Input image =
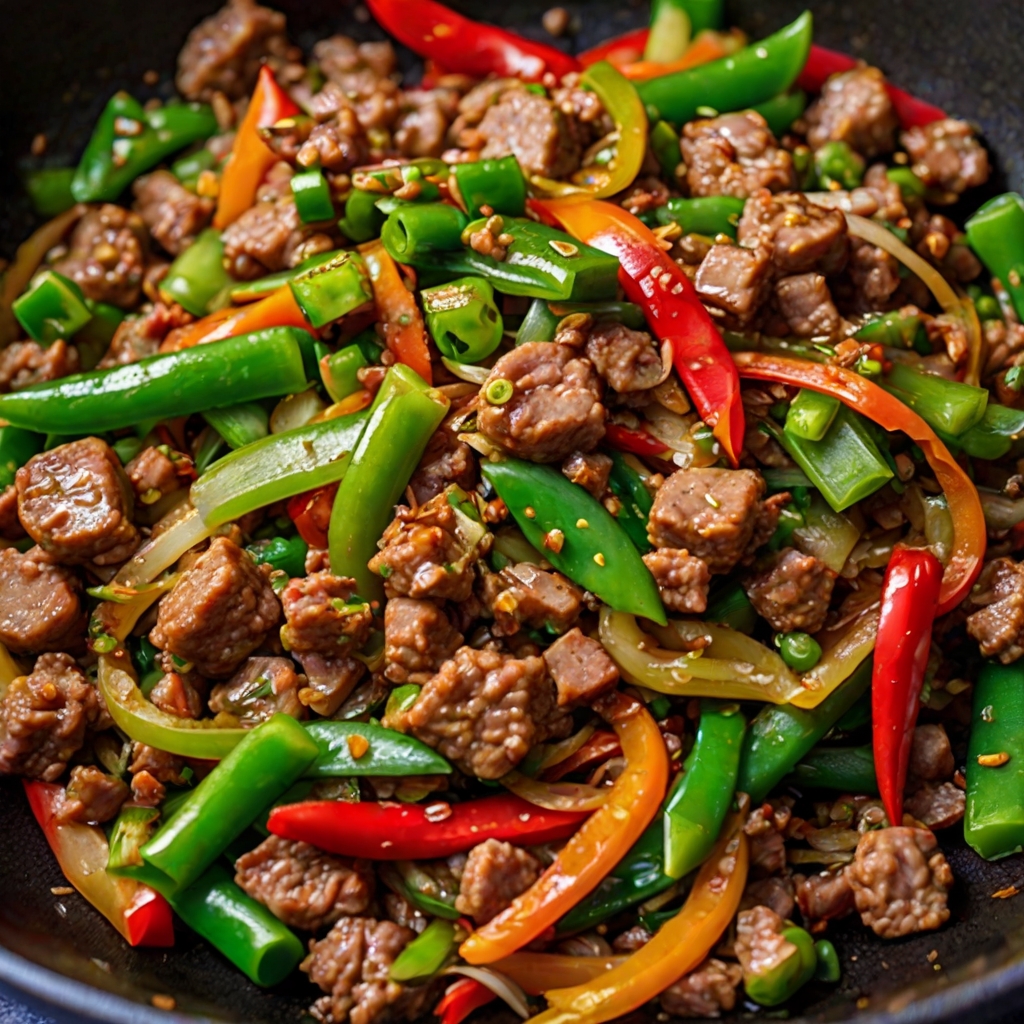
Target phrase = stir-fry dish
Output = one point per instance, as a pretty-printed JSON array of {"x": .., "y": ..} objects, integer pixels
[{"x": 546, "y": 533}]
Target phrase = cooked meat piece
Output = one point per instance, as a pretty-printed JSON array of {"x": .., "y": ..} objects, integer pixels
[
  {"x": 706, "y": 991},
  {"x": 158, "y": 764},
  {"x": 423, "y": 123},
  {"x": 358, "y": 74},
  {"x": 682, "y": 579},
  {"x": 10, "y": 524},
  {"x": 555, "y": 408},
  {"x": 494, "y": 875},
  {"x": 107, "y": 255},
  {"x": 147, "y": 790},
  {"x": 418, "y": 639},
  {"x": 156, "y": 472},
  {"x": 900, "y": 881},
  {"x": 931, "y": 755},
  {"x": 874, "y": 275},
  {"x": 792, "y": 592},
  {"x": 92, "y": 796},
  {"x": 591, "y": 471},
  {"x": 173, "y": 215},
  {"x": 936, "y": 805},
  {"x": 760, "y": 947},
  {"x": 735, "y": 155},
  {"x": 27, "y": 362},
  {"x": 484, "y": 710},
  {"x": 75, "y": 502},
  {"x": 338, "y": 144},
  {"x": 219, "y": 612},
  {"x": 322, "y": 617},
  {"x": 823, "y": 897},
  {"x": 40, "y": 604},
  {"x": 447, "y": 460},
  {"x": 260, "y": 688},
  {"x": 581, "y": 668},
  {"x": 429, "y": 552},
  {"x": 773, "y": 892},
  {"x": 224, "y": 52},
  {"x": 806, "y": 304},
  {"x": 179, "y": 694},
  {"x": 138, "y": 337},
  {"x": 800, "y": 235},
  {"x": 854, "y": 107},
  {"x": 330, "y": 681},
  {"x": 303, "y": 886},
  {"x": 632, "y": 939},
  {"x": 735, "y": 279},
  {"x": 999, "y": 625},
  {"x": 711, "y": 513},
  {"x": 403, "y": 913},
  {"x": 45, "y": 717},
  {"x": 767, "y": 854},
  {"x": 524, "y": 595},
  {"x": 628, "y": 360},
  {"x": 946, "y": 155}
]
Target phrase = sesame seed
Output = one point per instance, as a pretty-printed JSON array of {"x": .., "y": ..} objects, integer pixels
[
  {"x": 530, "y": 512},
  {"x": 582, "y": 524}
]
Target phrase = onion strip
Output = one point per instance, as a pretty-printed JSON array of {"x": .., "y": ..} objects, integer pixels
[
  {"x": 163, "y": 550},
  {"x": 467, "y": 371},
  {"x": 555, "y": 796},
  {"x": 504, "y": 988}
]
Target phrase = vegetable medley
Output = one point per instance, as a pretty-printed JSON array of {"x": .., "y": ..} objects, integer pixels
[{"x": 545, "y": 533}]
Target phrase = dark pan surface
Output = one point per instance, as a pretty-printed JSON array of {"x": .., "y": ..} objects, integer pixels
[{"x": 59, "y": 62}]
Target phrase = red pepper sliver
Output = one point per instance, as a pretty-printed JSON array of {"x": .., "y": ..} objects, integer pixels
[
  {"x": 624, "y": 49},
  {"x": 387, "y": 831},
  {"x": 149, "y": 920},
  {"x": 311, "y": 513},
  {"x": 600, "y": 747},
  {"x": 638, "y": 442},
  {"x": 461, "y": 1000}
]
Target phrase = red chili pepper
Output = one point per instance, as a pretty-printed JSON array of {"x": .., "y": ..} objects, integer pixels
[
  {"x": 910, "y": 594},
  {"x": 624, "y": 49},
  {"x": 639, "y": 442},
  {"x": 311, "y": 513},
  {"x": 461, "y": 999},
  {"x": 149, "y": 919},
  {"x": 389, "y": 831},
  {"x": 674, "y": 312},
  {"x": 461, "y": 45}
]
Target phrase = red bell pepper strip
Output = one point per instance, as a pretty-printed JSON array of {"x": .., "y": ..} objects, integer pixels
[
  {"x": 969, "y": 537},
  {"x": 142, "y": 916},
  {"x": 461, "y": 999},
  {"x": 468, "y": 47},
  {"x": 388, "y": 831},
  {"x": 638, "y": 442},
  {"x": 624, "y": 49},
  {"x": 910, "y": 593},
  {"x": 251, "y": 157},
  {"x": 311, "y": 514},
  {"x": 674, "y": 312}
]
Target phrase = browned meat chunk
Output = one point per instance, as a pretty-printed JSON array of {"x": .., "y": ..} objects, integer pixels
[
  {"x": 10, "y": 524},
  {"x": 626, "y": 359},
  {"x": 76, "y": 503},
  {"x": 936, "y": 805},
  {"x": 806, "y": 305},
  {"x": 793, "y": 592},
  {"x": 92, "y": 796},
  {"x": 591, "y": 471},
  {"x": 735, "y": 279},
  {"x": 999, "y": 625},
  {"x": 330, "y": 681},
  {"x": 555, "y": 408},
  {"x": 156, "y": 472},
  {"x": 336, "y": 144},
  {"x": 26, "y": 362},
  {"x": 138, "y": 337},
  {"x": 581, "y": 668},
  {"x": 173, "y": 215},
  {"x": 735, "y": 155},
  {"x": 874, "y": 274},
  {"x": 179, "y": 694},
  {"x": 322, "y": 617},
  {"x": 682, "y": 579},
  {"x": 40, "y": 605},
  {"x": 484, "y": 710},
  {"x": 711, "y": 513},
  {"x": 447, "y": 460},
  {"x": 418, "y": 639},
  {"x": 423, "y": 123},
  {"x": 854, "y": 107},
  {"x": 760, "y": 946},
  {"x": 158, "y": 763},
  {"x": 303, "y": 886},
  {"x": 523, "y": 595},
  {"x": 219, "y": 612},
  {"x": 823, "y": 897},
  {"x": 260, "y": 688},
  {"x": 107, "y": 255},
  {"x": 224, "y": 52},
  {"x": 45, "y": 717},
  {"x": 494, "y": 875},
  {"x": 900, "y": 881},
  {"x": 775, "y": 892},
  {"x": 706, "y": 991},
  {"x": 946, "y": 155},
  {"x": 800, "y": 235},
  {"x": 931, "y": 755},
  {"x": 358, "y": 74}
]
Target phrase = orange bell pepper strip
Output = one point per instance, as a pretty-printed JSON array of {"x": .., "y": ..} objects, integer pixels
[
  {"x": 598, "y": 845},
  {"x": 674, "y": 312},
  {"x": 678, "y": 947},
  {"x": 404, "y": 332},
  {"x": 251, "y": 157},
  {"x": 969, "y": 536},
  {"x": 704, "y": 49}
]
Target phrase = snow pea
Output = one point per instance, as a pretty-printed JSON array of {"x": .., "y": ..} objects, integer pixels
[
  {"x": 388, "y": 753},
  {"x": 628, "y": 486}
]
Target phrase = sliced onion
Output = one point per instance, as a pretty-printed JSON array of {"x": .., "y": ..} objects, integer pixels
[
  {"x": 832, "y": 838},
  {"x": 845, "y": 647},
  {"x": 296, "y": 411},
  {"x": 1001, "y": 512},
  {"x": 674, "y": 430},
  {"x": 556, "y": 753},
  {"x": 818, "y": 857},
  {"x": 118, "y": 618},
  {"x": 467, "y": 371},
  {"x": 163, "y": 549},
  {"x": 828, "y": 535},
  {"x": 504, "y": 988},
  {"x": 555, "y": 796}
]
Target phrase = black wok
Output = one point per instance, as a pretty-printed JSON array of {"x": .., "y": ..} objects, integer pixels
[{"x": 59, "y": 62}]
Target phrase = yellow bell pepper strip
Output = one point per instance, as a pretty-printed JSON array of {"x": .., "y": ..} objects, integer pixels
[
  {"x": 601, "y": 842},
  {"x": 674, "y": 312},
  {"x": 251, "y": 157},
  {"x": 536, "y": 973},
  {"x": 891, "y": 414},
  {"x": 678, "y": 947}
]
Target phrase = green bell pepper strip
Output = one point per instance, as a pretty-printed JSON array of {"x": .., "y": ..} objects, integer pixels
[
  {"x": 254, "y": 774},
  {"x": 252, "y": 366},
  {"x": 707, "y": 215},
  {"x": 400, "y": 876},
  {"x": 197, "y": 280},
  {"x": 839, "y": 166},
  {"x": 996, "y": 234},
  {"x": 701, "y": 797},
  {"x": 539, "y": 324},
  {"x": 784, "y": 980},
  {"x": 828, "y": 969},
  {"x": 339, "y": 371},
  {"x": 755, "y": 74},
  {"x": 49, "y": 190},
  {"x": 781, "y": 735},
  {"x": 404, "y": 416},
  {"x": 402, "y": 698},
  {"x": 628, "y": 486},
  {"x": 463, "y": 318},
  {"x": 17, "y": 446},
  {"x": 418, "y": 230},
  {"x": 947, "y": 406},
  {"x": 239, "y": 425},
  {"x": 596, "y": 552},
  {"x": 312, "y": 196},
  {"x": 844, "y": 769},
  {"x": 811, "y": 414},
  {"x": 897, "y": 331},
  {"x": 994, "y": 815},
  {"x": 53, "y": 307},
  {"x": 426, "y": 954},
  {"x": 362, "y": 221},
  {"x": 331, "y": 290},
  {"x": 498, "y": 184},
  {"x": 285, "y": 553},
  {"x": 93, "y": 340},
  {"x": 389, "y": 753},
  {"x": 858, "y": 715},
  {"x": 994, "y": 435},
  {"x": 731, "y": 607},
  {"x": 800, "y": 651},
  {"x": 188, "y": 167},
  {"x": 132, "y": 829},
  {"x": 664, "y": 144},
  {"x": 781, "y": 111},
  {"x": 244, "y": 931},
  {"x": 129, "y": 140},
  {"x": 250, "y": 291}
]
